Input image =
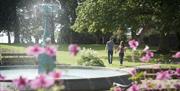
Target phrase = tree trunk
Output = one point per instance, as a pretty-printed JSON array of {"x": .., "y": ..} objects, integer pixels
[
  {"x": 52, "y": 33},
  {"x": 178, "y": 38},
  {"x": 163, "y": 45},
  {"x": 73, "y": 13},
  {"x": 16, "y": 27},
  {"x": 52, "y": 28},
  {"x": 64, "y": 35},
  {"x": 9, "y": 37},
  {"x": 36, "y": 40},
  {"x": 133, "y": 34},
  {"x": 52, "y": 38},
  {"x": 16, "y": 36},
  {"x": 69, "y": 12},
  {"x": 103, "y": 39}
]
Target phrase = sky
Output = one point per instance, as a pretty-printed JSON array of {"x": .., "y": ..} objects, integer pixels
[{"x": 4, "y": 38}]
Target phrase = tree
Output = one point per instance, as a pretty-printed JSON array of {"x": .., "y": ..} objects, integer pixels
[
  {"x": 8, "y": 19},
  {"x": 110, "y": 15},
  {"x": 67, "y": 19},
  {"x": 97, "y": 15}
]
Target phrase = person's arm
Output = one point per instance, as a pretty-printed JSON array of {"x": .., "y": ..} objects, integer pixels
[
  {"x": 116, "y": 49},
  {"x": 125, "y": 49},
  {"x": 105, "y": 47}
]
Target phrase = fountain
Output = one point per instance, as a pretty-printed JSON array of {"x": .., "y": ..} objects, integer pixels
[
  {"x": 46, "y": 63},
  {"x": 75, "y": 78}
]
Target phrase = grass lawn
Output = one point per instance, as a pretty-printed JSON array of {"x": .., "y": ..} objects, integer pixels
[{"x": 64, "y": 57}]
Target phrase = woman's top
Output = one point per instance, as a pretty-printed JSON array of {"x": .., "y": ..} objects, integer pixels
[{"x": 121, "y": 49}]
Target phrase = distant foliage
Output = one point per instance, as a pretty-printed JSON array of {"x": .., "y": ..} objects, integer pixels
[{"x": 90, "y": 58}]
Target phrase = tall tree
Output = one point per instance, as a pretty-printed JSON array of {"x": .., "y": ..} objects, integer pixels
[
  {"x": 67, "y": 19},
  {"x": 9, "y": 20},
  {"x": 109, "y": 15}
]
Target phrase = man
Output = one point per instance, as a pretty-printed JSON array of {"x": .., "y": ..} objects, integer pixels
[{"x": 109, "y": 47}]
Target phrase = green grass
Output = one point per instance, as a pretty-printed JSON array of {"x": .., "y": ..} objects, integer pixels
[{"x": 64, "y": 57}]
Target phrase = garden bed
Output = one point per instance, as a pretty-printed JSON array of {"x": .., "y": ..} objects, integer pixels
[
  {"x": 148, "y": 81},
  {"x": 160, "y": 85}
]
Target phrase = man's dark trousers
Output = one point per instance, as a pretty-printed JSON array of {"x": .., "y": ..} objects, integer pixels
[{"x": 110, "y": 56}]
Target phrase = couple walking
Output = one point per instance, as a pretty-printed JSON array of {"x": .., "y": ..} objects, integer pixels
[{"x": 110, "y": 47}]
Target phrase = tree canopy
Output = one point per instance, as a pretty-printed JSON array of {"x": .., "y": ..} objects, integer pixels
[
  {"x": 109, "y": 15},
  {"x": 120, "y": 15}
]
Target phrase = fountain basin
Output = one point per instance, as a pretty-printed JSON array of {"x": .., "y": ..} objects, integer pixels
[{"x": 75, "y": 78}]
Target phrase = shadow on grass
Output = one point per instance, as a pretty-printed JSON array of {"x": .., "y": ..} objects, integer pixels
[
  {"x": 17, "y": 44},
  {"x": 96, "y": 47}
]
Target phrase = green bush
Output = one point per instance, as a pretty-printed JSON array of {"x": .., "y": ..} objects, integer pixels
[
  {"x": 160, "y": 58},
  {"x": 88, "y": 57}
]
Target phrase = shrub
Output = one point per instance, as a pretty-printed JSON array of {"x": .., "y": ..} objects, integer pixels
[{"x": 89, "y": 58}]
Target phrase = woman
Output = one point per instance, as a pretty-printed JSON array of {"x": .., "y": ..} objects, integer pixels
[{"x": 121, "y": 50}]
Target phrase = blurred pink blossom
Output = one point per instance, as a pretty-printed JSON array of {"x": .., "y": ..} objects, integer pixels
[
  {"x": 145, "y": 59},
  {"x": 73, "y": 49},
  {"x": 41, "y": 82},
  {"x": 50, "y": 50},
  {"x": 21, "y": 83},
  {"x": 133, "y": 72},
  {"x": 34, "y": 50},
  {"x": 163, "y": 75},
  {"x": 117, "y": 89},
  {"x": 177, "y": 55},
  {"x": 159, "y": 86},
  {"x": 177, "y": 85},
  {"x": 147, "y": 56},
  {"x": 146, "y": 48},
  {"x": 134, "y": 87},
  {"x": 3, "y": 89},
  {"x": 149, "y": 85},
  {"x": 150, "y": 54},
  {"x": 133, "y": 44},
  {"x": 177, "y": 72},
  {"x": 171, "y": 72},
  {"x": 55, "y": 75},
  {"x": 2, "y": 77}
]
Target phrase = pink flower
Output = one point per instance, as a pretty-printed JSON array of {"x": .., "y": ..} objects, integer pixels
[
  {"x": 171, "y": 72},
  {"x": 150, "y": 54},
  {"x": 178, "y": 70},
  {"x": 55, "y": 74},
  {"x": 146, "y": 48},
  {"x": 3, "y": 89},
  {"x": 41, "y": 82},
  {"x": 134, "y": 87},
  {"x": 21, "y": 83},
  {"x": 117, "y": 89},
  {"x": 163, "y": 75},
  {"x": 34, "y": 50},
  {"x": 145, "y": 59},
  {"x": 177, "y": 85},
  {"x": 149, "y": 85},
  {"x": 177, "y": 55},
  {"x": 133, "y": 72},
  {"x": 51, "y": 51},
  {"x": 159, "y": 86},
  {"x": 2, "y": 77},
  {"x": 133, "y": 44},
  {"x": 147, "y": 56},
  {"x": 73, "y": 49}
]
